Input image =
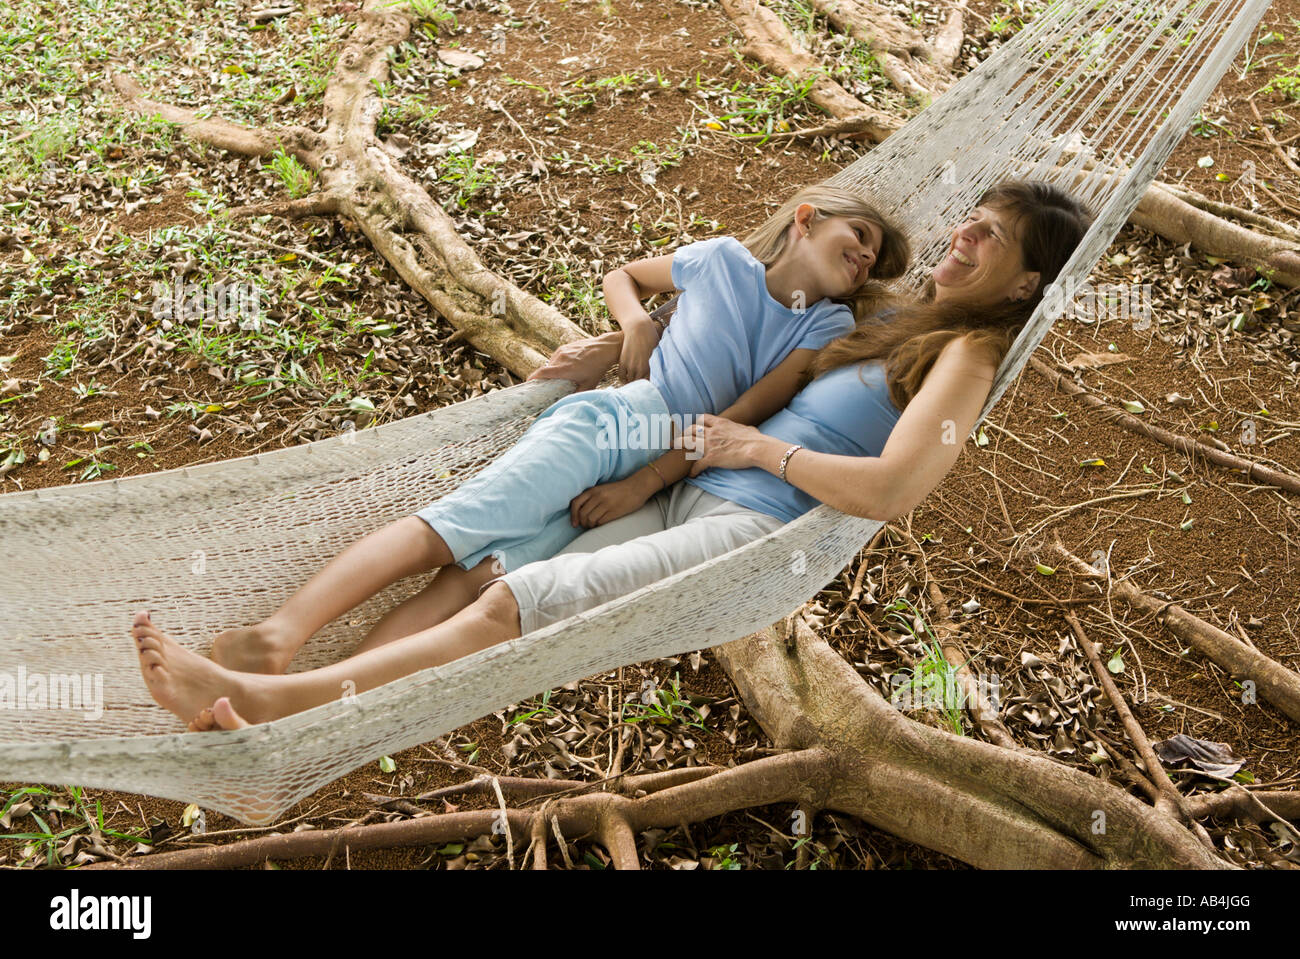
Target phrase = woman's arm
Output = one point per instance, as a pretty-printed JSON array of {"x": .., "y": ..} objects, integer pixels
[
  {"x": 765, "y": 398},
  {"x": 922, "y": 447},
  {"x": 584, "y": 361}
]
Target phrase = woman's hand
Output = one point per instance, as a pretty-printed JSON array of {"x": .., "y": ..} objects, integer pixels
[
  {"x": 607, "y": 502},
  {"x": 638, "y": 343},
  {"x": 718, "y": 442},
  {"x": 584, "y": 361}
]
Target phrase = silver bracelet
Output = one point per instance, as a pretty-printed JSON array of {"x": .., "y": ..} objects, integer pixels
[{"x": 786, "y": 459}]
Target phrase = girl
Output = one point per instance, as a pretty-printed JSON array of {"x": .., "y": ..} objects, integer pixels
[
  {"x": 868, "y": 436},
  {"x": 749, "y": 321}
]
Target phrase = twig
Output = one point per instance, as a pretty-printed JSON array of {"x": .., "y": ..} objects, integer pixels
[
  {"x": 1276, "y": 683},
  {"x": 1183, "y": 444},
  {"x": 1155, "y": 770}
]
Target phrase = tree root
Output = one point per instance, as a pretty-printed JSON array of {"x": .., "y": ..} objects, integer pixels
[
  {"x": 612, "y": 819},
  {"x": 1279, "y": 685},
  {"x": 768, "y": 41},
  {"x": 1255, "y": 471},
  {"x": 911, "y": 64},
  {"x": 1164, "y": 212},
  {"x": 360, "y": 180},
  {"x": 985, "y": 805}
]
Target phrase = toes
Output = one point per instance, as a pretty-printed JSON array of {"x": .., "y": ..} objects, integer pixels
[
  {"x": 149, "y": 643},
  {"x": 151, "y": 659},
  {"x": 203, "y": 722},
  {"x": 140, "y": 632},
  {"x": 223, "y": 713},
  {"x": 141, "y": 619}
]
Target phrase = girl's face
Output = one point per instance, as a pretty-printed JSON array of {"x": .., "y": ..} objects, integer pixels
[
  {"x": 984, "y": 264},
  {"x": 842, "y": 250}
]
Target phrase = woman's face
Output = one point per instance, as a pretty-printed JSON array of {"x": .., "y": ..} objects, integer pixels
[{"x": 984, "y": 265}]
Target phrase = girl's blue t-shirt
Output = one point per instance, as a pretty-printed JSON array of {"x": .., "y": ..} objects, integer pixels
[
  {"x": 846, "y": 411},
  {"x": 728, "y": 331}
]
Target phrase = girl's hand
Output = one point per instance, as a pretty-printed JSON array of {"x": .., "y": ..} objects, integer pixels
[
  {"x": 638, "y": 343},
  {"x": 605, "y": 503},
  {"x": 718, "y": 442},
  {"x": 584, "y": 361}
]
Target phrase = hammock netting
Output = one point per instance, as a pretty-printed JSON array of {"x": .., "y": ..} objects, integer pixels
[{"x": 1090, "y": 96}]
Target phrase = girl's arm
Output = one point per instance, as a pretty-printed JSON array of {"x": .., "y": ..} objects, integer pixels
[
  {"x": 625, "y": 288},
  {"x": 922, "y": 447}
]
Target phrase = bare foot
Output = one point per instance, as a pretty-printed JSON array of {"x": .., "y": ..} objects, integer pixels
[
  {"x": 255, "y": 649},
  {"x": 220, "y": 715},
  {"x": 185, "y": 683}
]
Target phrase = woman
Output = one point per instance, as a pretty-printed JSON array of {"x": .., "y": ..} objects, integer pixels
[{"x": 839, "y": 442}]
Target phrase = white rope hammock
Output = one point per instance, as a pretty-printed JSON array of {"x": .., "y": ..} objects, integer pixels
[{"x": 224, "y": 544}]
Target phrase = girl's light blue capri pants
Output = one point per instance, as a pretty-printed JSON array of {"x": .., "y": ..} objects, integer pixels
[
  {"x": 517, "y": 508},
  {"x": 676, "y": 529}
]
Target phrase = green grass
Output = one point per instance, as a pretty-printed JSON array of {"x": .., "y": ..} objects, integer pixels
[
  {"x": 662, "y": 706},
  {"x": 933, "y": 682},
  {"x": 433, "y": 13},
  {"x": 578, "y": 293},
  {"x": 763, "y": 109},
  {"x": 52, "y": 139},
  {"x": 469, "y": 178},
  {"x": 296, "y": 179},
  {"x": 44, "y": 841},
  {"x": 1286, "y": 82}
]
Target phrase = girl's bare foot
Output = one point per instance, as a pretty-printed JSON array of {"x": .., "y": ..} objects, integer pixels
[
  {"x": 185, "y": 683},
  {"x": 264, "y": 648},
  {"x": 220, "y": 715}
]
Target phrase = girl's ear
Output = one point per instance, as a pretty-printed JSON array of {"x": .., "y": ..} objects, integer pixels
[{"x": 803, "y": 218}]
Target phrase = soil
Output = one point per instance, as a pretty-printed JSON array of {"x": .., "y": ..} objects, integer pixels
[{"x": 1224, "y": 548}]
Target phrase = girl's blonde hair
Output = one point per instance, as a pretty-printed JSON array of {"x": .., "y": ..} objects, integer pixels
[
  {"x": 769, "y": 240},
  {"x": 1050, "y": 223}
]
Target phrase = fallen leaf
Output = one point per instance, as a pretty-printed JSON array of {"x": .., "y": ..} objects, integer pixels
[
  {"x": 1209, "y": 757},
  {"x": 1087, "y": 361}
]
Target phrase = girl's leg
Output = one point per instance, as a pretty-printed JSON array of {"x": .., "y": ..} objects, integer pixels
[
  {"x": 454, "y": 588},
  {"x": 451, "y": 590},
  {"x": 375, "y": 561},
  {"x": 187, "y": 684}
]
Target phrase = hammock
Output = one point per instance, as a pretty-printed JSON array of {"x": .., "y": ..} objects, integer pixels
[{"x": 1090, "y": 96}]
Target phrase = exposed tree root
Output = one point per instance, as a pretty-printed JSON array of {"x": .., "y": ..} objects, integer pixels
[
  {"x": 1164, "y": 212},
  {"x": 1279, "y": 685},
  {"x": 985, "y": 805},
  {"x": 1266, "y": 224},
  {"x": 362, "y": 181},
  {"x": 768, "y": 40},
  {"x": 610, "y": 818},
  {"x": 911, "y": 64},
  {"x": 947, "y": 45},
  {"x": 1256, "y": 471}
]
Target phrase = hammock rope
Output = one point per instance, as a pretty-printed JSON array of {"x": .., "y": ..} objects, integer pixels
[{"x": 1091, "y": 96}]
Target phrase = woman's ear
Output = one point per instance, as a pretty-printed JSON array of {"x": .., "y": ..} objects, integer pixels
[{"x": 1028, "y": 284}]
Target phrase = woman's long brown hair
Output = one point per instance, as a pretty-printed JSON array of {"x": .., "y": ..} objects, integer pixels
[{"x": 1051, "y": 225}]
